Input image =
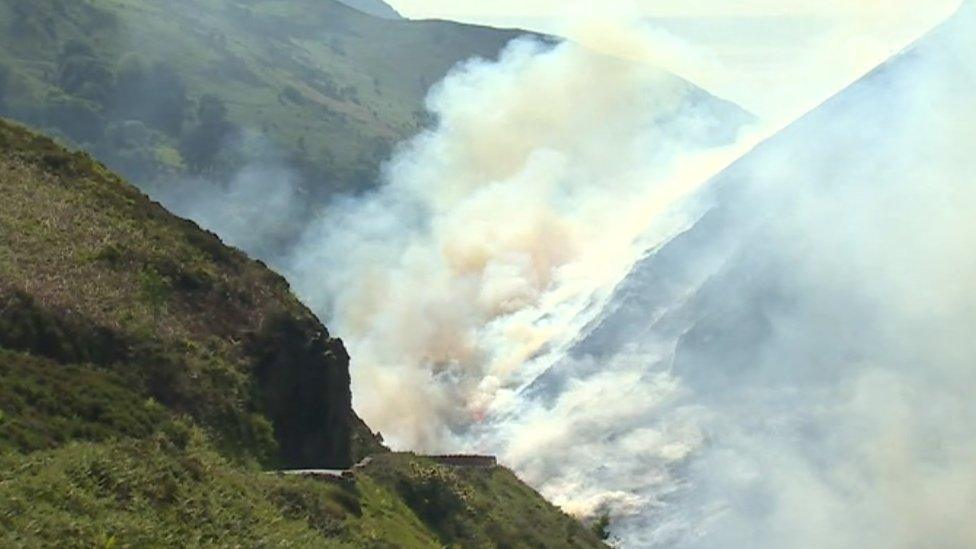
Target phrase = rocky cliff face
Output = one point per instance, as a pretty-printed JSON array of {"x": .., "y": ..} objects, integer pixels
[{"x": 303, "y": 380}]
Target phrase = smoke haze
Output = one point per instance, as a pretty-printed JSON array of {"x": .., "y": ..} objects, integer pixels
[
  {"x": 794, "y": 369},
  {"x": 260, "y": 208},
  {"x": 779, "y": 355},
  {"x": 497, "y": 228}
]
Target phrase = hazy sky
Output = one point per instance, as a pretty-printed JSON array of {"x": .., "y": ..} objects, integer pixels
[
  {"x": 777, "y": 58},
  {"x": 661, "y": 8}
]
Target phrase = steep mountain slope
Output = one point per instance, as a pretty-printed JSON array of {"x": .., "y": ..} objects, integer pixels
[
  {"x": 92, "y": 272},
  {"x": 148, "y": 373},
  {"x": 376, "y": 8},
  {"x": 161, "y": 90},
  {"x": 794, "y": 369}
]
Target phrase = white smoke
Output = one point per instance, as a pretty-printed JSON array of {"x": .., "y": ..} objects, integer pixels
[
  {"x": 495, "y": 230},
  {"x": 259, "y": 209},
  {"x": 796, "y": 370}
]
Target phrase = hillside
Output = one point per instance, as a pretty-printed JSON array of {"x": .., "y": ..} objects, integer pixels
[
  {"x": 162, "y": 90},
  {"x": 148, "y": 374},
  {"x": 92, "y": 272},
  {"x": 377, "y": 8}
]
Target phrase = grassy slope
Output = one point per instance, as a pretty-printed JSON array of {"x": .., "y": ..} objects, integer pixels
[
  {"x": 92, "y": 272},
  {"x": 131, "y": 409},
  {"x": 474, "y": 507},
  {"x": 157, "y": 492},
  {"x": 325, "y": 83}
]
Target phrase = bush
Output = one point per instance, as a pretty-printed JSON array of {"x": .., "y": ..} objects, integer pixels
[
  {"x": 438, "y": 497},
  {"x": 292, "y": 94},
  {"x": 76, "y": 48},
  {"x": 131, "y": 148},
  {"x": 155, "y": 290},
  {"x": 48, "y": 404},
  {"x": 28, "y": 327}
]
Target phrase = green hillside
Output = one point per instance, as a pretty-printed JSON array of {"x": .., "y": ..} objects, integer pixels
[
  {"x": 159, "y": 89},
  {"x": 378, "y": 8},
  {"x": 149, "y": 375},
  {"x": 171, "y": 322}
]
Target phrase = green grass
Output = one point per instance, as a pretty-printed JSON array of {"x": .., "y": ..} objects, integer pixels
[
  {"x": 172, "y": 490},
  {"x": 474, "y": 507},
  {"x": 387, "y": 521},
  {"x": 46, "y": 404},
  {"x": 153, "y": 494}
]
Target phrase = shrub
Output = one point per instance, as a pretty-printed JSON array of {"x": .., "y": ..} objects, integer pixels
[
  {"x": 292, "y": 94},
  {"x": 438, "y": 497}
]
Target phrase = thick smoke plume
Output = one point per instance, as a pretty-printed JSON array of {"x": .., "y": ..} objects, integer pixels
[
  {"x": 499, "y": 227},
  {"x": 795, "y": 370}
]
